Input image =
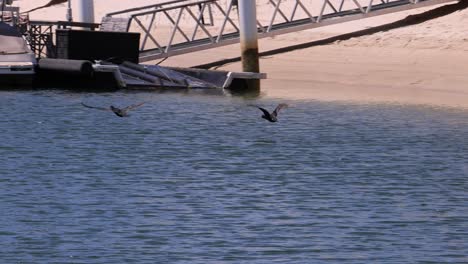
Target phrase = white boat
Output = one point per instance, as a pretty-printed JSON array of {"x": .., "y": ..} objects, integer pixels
[{"x": 17, "y": 61}]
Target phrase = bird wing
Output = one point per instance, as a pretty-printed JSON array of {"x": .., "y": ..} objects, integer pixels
[
  {"x": 278, "y": 108},
  {"x": 265, "y": 112},
  {"x": 95, "y": 107},
  {"x": 131, "y": 107}
]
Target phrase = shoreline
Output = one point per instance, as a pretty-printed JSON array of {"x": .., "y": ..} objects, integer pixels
[
  {"x": 409, "y": 57},
  {"x": 368, "y": 76}
]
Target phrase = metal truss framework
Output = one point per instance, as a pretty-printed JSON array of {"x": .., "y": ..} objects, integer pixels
[
  {"x": 39, "y": 38},
  {"x": 183, "y": 26},
  {"x": 40, "y": 35}
]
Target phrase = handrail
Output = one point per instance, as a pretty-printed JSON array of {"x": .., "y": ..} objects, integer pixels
[
  {"x": 178, "y": 26},
  {"x": 145, "y": 7},
  {"x": 172, "y": 8},
  {"x": 64, "y": 24}
]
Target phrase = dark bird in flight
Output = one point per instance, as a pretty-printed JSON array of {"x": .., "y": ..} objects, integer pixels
[
  {"x": 273, "y": 116},
  {"x": 122, "y": 112}
]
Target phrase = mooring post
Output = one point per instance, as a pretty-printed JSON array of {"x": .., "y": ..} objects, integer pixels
[
  {"x": 84, "y": 11},
  {"x": 249, "y": 40}
]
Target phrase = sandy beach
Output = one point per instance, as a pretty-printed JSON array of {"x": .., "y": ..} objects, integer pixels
[{"x": 380, "y": 59}]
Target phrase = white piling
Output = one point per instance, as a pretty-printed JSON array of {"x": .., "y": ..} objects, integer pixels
[
  {"x": 84, "y": 10},
  {"x": 248, "y": 35},
  {"x": 249, "y": 38}
]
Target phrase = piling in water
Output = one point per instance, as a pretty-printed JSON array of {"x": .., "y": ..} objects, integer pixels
[
  {"x": 84, "y": 10},
  {"x": 249, "y": 40}
]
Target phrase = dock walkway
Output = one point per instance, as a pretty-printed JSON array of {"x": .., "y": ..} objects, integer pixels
[{"x": 183, "y": 26}]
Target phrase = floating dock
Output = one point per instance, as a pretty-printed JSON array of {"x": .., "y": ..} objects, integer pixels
[
  {"x": 104, "y": 75},
  {"x": 79, "y": 67},
  {"x": 73, "y": 59}
]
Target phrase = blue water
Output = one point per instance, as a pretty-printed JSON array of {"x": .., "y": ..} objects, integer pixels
[{"x": 192, "y": 178}]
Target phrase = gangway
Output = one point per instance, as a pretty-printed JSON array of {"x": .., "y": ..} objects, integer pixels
[{"x": 183, "y": 26}]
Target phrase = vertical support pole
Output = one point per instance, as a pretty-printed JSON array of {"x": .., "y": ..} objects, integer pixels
[
  {"x": 69, "y": 12},
  {"x": 249, "y": 41},
  {"x": 3, "y": 3},
  {"x": 85, "y": 11}
]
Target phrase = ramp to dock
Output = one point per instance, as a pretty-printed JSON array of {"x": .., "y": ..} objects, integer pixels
[{"x": 184, "y": 26}]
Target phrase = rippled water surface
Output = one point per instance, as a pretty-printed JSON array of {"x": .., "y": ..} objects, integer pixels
[{"x": 193, "y": 178}]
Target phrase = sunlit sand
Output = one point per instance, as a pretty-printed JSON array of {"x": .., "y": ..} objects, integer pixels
[{"x": 422, "y": 63}]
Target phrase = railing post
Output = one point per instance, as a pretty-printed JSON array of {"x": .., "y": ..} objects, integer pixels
[{"x": 249, "y": 40}]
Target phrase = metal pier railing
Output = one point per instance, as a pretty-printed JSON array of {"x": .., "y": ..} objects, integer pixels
[{"x": 183, "y": 26}]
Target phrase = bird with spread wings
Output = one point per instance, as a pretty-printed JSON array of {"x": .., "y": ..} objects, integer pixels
[{"x": 273, "y": 116}]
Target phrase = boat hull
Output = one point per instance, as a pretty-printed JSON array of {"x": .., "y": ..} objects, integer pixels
[{"x": 16, "y": 75}]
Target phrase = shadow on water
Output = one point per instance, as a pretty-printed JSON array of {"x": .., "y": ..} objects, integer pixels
[{"x": 247, "y": 89}]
